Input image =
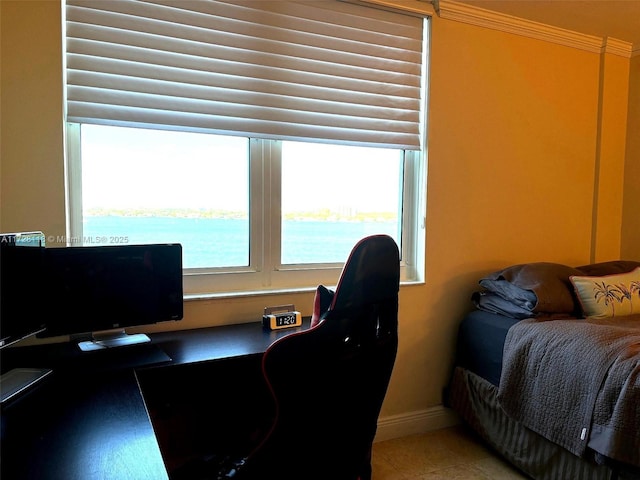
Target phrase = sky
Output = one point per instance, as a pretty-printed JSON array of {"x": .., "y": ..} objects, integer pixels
[{"x": 137, "y": 168}]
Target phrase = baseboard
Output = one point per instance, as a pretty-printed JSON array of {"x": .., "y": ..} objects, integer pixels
[{"x": 413, "y": 423}]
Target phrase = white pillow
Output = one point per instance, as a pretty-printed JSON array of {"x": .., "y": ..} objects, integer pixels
[{"x": 609, "y": 295}]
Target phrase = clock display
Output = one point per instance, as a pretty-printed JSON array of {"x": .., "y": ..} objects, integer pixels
[
  {"x": 275, "y": 321},
  {"x": 286, "y": 320}
]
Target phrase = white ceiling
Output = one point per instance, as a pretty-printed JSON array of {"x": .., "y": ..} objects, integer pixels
[{"x": 619, "y": 19}]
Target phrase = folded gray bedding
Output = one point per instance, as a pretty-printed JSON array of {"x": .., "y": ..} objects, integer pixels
[{"x": 493, "y": 303}]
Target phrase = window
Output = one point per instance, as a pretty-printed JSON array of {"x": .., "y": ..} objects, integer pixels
[{"x": 267, "y": 173}]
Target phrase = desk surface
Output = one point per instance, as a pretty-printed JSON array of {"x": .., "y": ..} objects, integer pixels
[{"x": 89, "y": 419}]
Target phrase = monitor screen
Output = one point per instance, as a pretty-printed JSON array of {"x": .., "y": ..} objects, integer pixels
[
  {"x": 21, "y": 286},
  {"x": 100, "y": 288}
]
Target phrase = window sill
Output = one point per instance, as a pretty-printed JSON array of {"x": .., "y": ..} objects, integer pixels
[{"x": 194, "y": 297}]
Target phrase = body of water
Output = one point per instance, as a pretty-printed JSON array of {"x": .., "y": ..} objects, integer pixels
[{"x": 220, "y": 242}]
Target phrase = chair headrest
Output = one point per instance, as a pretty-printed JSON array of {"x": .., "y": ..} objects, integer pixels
[{"x": 371, "y": 273}]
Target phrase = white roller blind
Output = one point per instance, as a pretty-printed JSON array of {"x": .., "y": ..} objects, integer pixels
[{"x": 324, "y": 70}]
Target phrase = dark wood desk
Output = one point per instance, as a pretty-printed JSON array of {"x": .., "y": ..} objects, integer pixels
[{"x": 90, "y": 419}]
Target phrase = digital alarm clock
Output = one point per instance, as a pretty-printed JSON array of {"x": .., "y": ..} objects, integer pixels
[{"x": 283, "y": 316}]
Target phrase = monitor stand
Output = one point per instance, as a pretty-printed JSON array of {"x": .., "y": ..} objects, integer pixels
[{"x": 111, "y": 339}]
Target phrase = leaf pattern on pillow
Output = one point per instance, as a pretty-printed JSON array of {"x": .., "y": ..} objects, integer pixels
[{"x": 610, "y": 293}]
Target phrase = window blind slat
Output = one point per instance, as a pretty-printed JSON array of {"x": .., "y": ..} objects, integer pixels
[
  {"x": 266, "y": 66},
  {"x": 354, "y": 103},
  {"x": 321, "y": 70},
  {"x": 283, "y": 114},
  {"x": 115, "y": 115},
  {"x": 252, "y": 36},
  {"x": 82, "y": 73}
]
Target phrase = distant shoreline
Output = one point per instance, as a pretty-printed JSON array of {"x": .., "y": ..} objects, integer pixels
[{"x": 322, "y": 215}]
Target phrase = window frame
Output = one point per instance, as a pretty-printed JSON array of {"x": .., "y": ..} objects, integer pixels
[{"x": 265, "y": 273}]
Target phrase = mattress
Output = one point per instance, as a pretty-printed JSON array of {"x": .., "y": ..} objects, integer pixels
[{"x": 481, "y": 339}]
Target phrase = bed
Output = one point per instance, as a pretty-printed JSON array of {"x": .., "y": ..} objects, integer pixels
[{"x": 547, "y": 369}]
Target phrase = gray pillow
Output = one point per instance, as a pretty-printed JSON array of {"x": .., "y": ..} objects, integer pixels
[
  {"x": 541, "y": 287},
  {"x": 608, "y": 268}
]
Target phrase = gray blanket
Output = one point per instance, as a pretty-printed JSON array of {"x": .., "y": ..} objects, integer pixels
[{"x": 577, "y": 383}]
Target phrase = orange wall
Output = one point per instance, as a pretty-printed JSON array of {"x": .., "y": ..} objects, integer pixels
[
  {"x": 31, "y": 146},
  {"x": 631, "y": 207},
  {"x": 514, "y": 153},
  {"x": 512, "y": 146},
  {"x": 610, "y": 164}
]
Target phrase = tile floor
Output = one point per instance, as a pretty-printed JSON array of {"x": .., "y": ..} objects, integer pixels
[{"x": 453, "y": 453}]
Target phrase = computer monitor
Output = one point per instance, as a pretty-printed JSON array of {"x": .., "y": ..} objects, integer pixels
[
  {"x": 21, "y": 286},
  {"x": 99, "y": 291}
]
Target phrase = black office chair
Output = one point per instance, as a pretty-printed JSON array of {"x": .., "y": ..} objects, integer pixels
[{"x": 328, "y": 382}]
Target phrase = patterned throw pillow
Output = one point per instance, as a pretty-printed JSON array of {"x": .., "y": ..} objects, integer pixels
[{"x": 610, "y": 295}]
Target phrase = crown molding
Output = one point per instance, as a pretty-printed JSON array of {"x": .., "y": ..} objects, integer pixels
[
  {"x": 635, "y": 50},
  {"x": 419, "y": 8},
  {"x": 481, "y": 17},
  {"x": 618, "y": 47}
]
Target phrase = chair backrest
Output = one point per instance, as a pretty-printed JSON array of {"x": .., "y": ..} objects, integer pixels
[{"x": 329, "y": 381}]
